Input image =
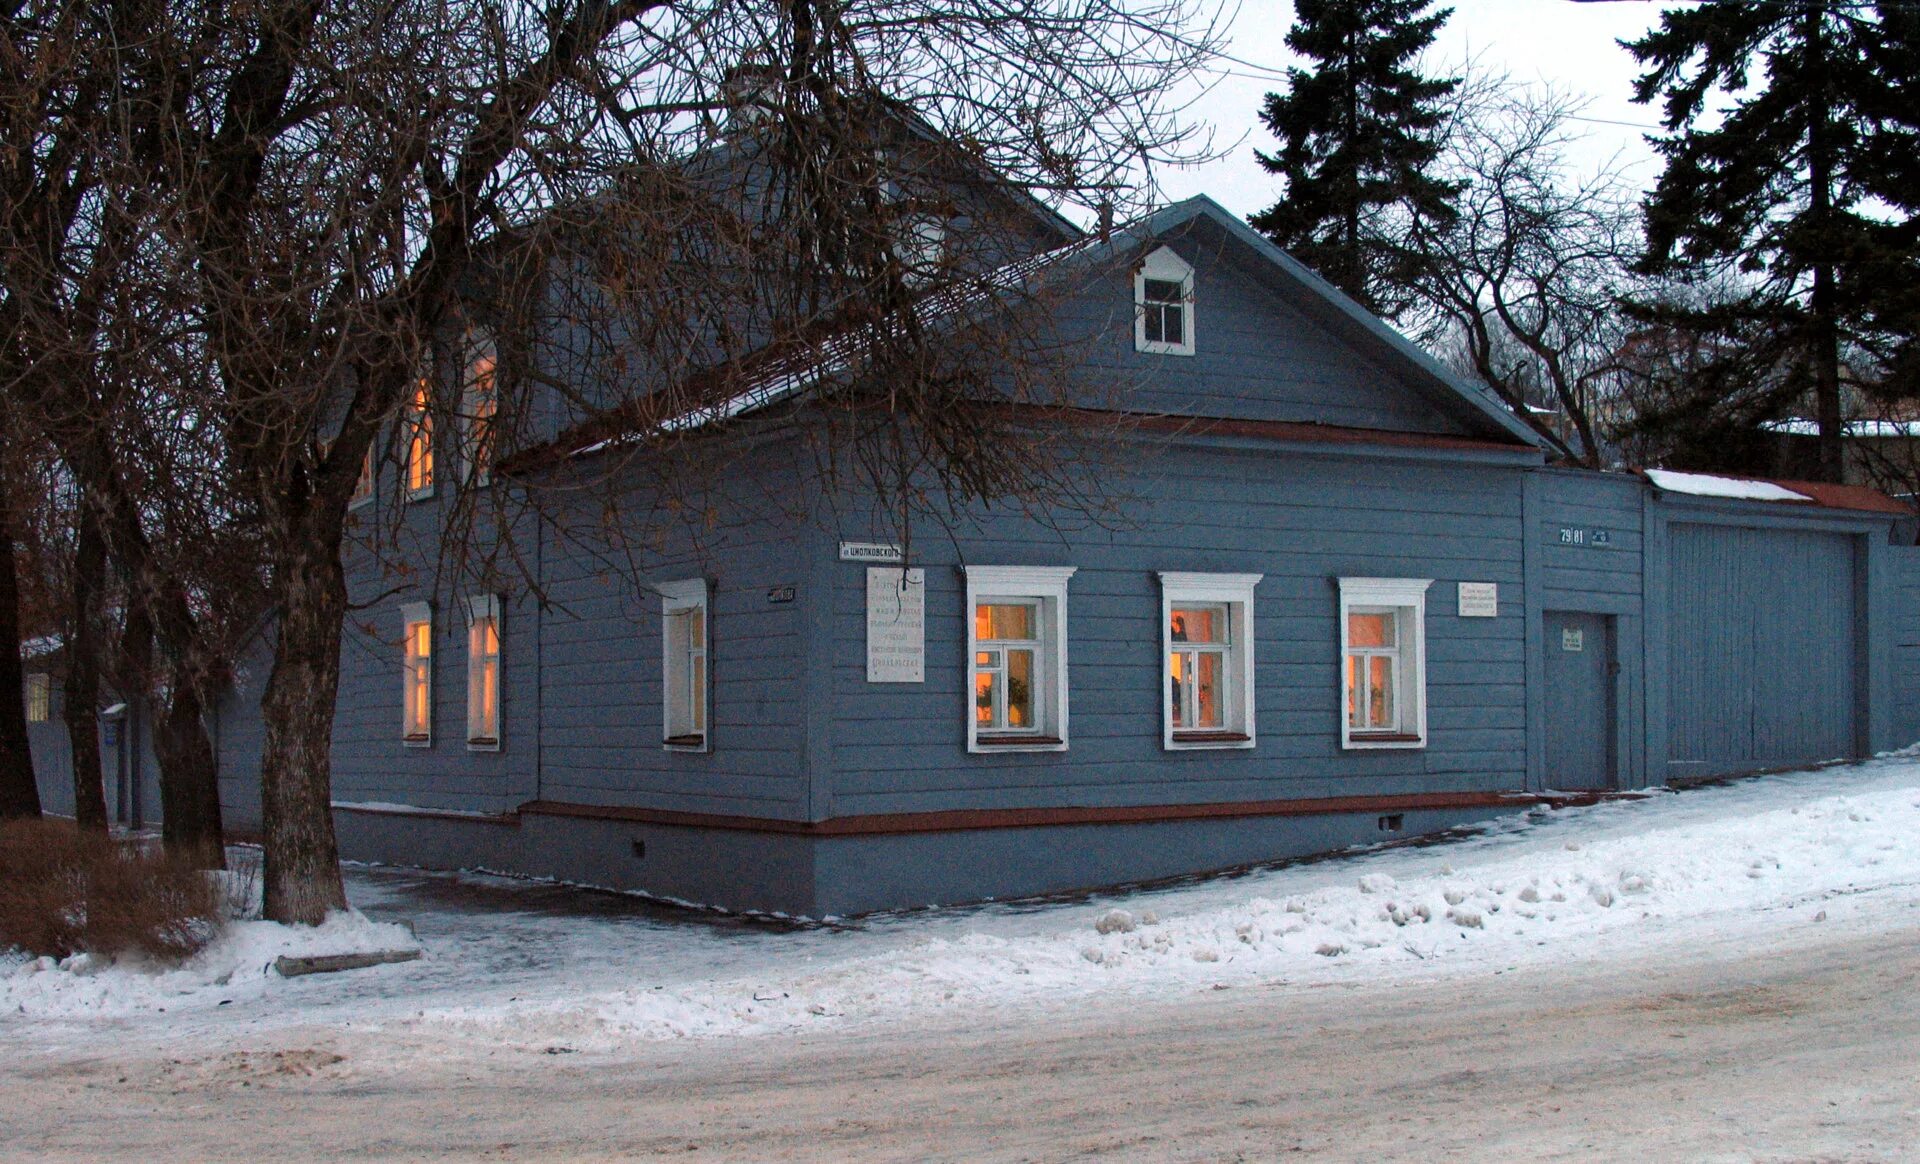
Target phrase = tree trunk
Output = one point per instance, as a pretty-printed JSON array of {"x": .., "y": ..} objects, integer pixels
[
  {"x": 83, "y": 674},
  {"x": 302, "y": 868},
  {"x": 189, "y": 774},
  {"x": 1824, "y": 313},
  {"x": 19, "y": 791}
]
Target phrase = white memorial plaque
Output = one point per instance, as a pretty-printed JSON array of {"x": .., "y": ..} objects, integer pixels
[
  {"x": 1479, "y": 600},
  {"x": 870, "y": 552},
  {"x": 896, "y": 625},
  {"x": 1573, "y": 639}
]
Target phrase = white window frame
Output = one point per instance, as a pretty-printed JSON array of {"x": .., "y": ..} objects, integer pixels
[
  {"x": 484, "y": 737},
  {"x": 1164, "y": 266},
  {"x": 38, "y": 689},
  {"x": 479, "y": 346},
  {"x": 1406, "y": 600},
  {"x": 678, "y": 598},
  {"x": 414, "y": 614},
  {"x": 1046, "y": 587},
  {"x": 1234, "y": 592},
  {"x": 417, "y": 433}
]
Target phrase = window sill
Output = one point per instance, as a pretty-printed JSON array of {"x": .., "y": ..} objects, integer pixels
[
  {"x": 420, "y": 494},
  {"x": 483, "y": 745},
  {"x": 1151, "y": 348},
  {"x": 1179, "y": 740},
  {"x": 1020, "y": 743},
  {"x": 359, "y": 502},
  {"x": 1363, "y": 740},
  {"x": 690, "y": 743},
  {"x": 417, "y": 741}
]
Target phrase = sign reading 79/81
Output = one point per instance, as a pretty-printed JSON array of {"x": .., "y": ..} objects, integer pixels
[{"x": 1577, "y": 536}]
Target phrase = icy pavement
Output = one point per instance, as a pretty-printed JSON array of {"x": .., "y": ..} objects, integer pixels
[{"x": 543, "y": 967}]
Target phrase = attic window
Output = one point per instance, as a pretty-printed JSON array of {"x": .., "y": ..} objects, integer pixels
[{"x": 1163, "y": 305}]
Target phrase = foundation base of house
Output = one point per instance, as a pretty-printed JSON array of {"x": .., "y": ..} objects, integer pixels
[{"x": 843, "y": 868}]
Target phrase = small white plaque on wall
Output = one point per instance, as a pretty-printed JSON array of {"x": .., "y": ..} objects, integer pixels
[
  {"x": 1479, "y": 600},
  {"x": 896, "y": 625},
  {"x": 870, "y": 552}
]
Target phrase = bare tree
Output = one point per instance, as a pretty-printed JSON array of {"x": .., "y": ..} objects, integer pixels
[
  {"x": 334, "y": 189},
  {"x": 1530, "y": 275}
]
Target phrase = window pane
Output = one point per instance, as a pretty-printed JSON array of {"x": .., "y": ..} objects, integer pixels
[
  {"x": 1177, "y": 668},
  {"x": 1207, "y": 694},
  {"x": 1162, "y": 291},
  {"x": 983, "y": 699},
  {"x": 1020, "y": 689},
  {"x": 1004, "y": 620},
  {"x": 1173, "y": 324},
  {"x": 986, "y": 659},
  {"x": 697, "y": 696},
  {"x": 1353, "y": 695},
  {"x": 696, "y": 629},
  {"x": 1370, "y": 630},
  {"x": 1204, "y": 624},
  {"x": 420, "y": 443},
  {"x": 1380, "y": 710}
]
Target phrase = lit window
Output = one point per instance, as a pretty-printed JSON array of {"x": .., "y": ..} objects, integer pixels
[
  {"x": 483, "y": 673},
  {"x": 480, "y": 405},
  {"x": 1017, "y": 652},
  {"x": 1383, "y": 662},
  {"x": 1163, "y": 304},
  {"x": 39, "y": 689},
  {"x": 684, "y": 676},
  {"x": 420, "y": 443},
  {"x": 1206, "y": 626},
  {"x": 416, "y": 620}
]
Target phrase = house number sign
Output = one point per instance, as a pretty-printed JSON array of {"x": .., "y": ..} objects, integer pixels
[
  {"x": 896, "y": 625},
  {"x": 1571, "y": 535}
]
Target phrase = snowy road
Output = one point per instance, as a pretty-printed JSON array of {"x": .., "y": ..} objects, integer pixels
[{"x": 1728, "y": 973}]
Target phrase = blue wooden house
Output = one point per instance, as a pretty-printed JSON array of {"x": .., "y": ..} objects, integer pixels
[{"x": 1350, "y": 603}]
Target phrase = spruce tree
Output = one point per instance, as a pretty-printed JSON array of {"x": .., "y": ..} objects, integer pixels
[
  {"x": 1780, "y": 173},
  {"x": 1359, "y": 137}
]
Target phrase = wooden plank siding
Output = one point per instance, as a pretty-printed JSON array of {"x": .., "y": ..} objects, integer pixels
[
  {"x": 1300, "y": 521},
  {"x": 1259, "y": 353}
]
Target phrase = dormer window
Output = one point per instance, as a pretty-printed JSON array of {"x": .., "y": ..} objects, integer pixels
[{"x": 1163, "y": 305}]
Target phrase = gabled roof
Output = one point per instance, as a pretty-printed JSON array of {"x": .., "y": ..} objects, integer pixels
[{"x": 769, "y": 377}]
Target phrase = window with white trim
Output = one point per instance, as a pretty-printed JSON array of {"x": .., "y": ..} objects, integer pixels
[
  {"x": 1383, "y": 648},
  {"x": 39, "y": 692},
  {"x": 483, "y": 673},
  {"x": 1017, "y": 658},
  {"x": 416, "y": 676},
  {"x": 1163, "y": 304},
  {"x": 685, "y": 678},
  {"x": 1206, "y": 640},
  {"x": 479, "y": 408},
  {"x": 419, "y": 422}
]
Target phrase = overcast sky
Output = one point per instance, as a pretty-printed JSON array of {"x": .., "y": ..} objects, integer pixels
[{"x": 1569, "y": 44}]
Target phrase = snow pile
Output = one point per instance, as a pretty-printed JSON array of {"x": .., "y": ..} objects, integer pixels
[
  {"x": 237, "y": 965},
  {"x": 1673, "y": 869},
  {"x": 542, "y": 969}
]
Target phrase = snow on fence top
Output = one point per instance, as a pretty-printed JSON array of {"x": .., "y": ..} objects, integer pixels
[{"x": 1708, "y": 485}]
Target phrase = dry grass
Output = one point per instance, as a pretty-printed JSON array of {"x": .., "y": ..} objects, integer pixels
[{"x": 64, "y": 891}]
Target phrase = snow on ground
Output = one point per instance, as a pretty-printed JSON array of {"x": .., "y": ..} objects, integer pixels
[{"x": 520, "y": 964}]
